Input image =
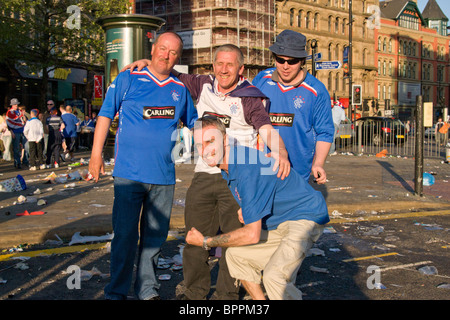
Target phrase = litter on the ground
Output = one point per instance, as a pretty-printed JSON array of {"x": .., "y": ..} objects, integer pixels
[{"x": 78, "y": 238}]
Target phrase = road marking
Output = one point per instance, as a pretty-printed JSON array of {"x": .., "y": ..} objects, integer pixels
[
  {"x": 403, "y": 266},
  {"x": 391, "y": 216},
  {"x": 60, "y": 250},
  {"x": 371, "y": 257}
]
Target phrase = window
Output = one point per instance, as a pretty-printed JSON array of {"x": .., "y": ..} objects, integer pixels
[
  {"x": 299, "y": 18},
  {"x": 308, "y": 20},
  {"x": 390, "y": 68},
  {"x": 330, "y": 23},
  {"x": 316, "y": 21},
  {"x": 291, "y": 17},
  {"x": 390, "y": 45},
  {"x": 336, "y": 25}
]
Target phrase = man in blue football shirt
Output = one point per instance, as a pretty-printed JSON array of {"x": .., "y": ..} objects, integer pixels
[
  {"x": 149, "y": 104},
  {"x": 282, "y": 218},
  {"x": 71, "y": 124},
  {"x": 300, "y": 106}
]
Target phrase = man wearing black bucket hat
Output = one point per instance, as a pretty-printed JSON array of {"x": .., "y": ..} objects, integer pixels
[{"x": 300, "y": 106}]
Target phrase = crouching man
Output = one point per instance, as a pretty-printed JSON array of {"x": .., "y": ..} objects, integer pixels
[{"x": 282, "y": 218}]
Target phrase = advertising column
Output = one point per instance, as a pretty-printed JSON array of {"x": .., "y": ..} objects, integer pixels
[{"x": 129, "y": 37}]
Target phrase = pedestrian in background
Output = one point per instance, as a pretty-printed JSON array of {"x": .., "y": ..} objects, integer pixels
[
  {"x": 16, "y": 122},
  {"x": 34, "y": 132},
  {"x": 338, "y": 115},
  {"x": 5, "y": 135},
  {"x": 71, "y": 124},
  {"x": 54, "y": 125},
  {"x": 441, "y": 129},
  {"x": 87, "y": 132},
  {"x": 45, "y": 115}
]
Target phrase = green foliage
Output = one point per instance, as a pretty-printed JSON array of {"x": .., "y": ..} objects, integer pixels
[{"x": 46, "y": 34}]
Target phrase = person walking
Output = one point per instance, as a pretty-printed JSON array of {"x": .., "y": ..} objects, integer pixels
[
  {"x": 71, "y": 124},
  {"x": 16, "y": 122},
  {"x": 34, "y": 132},
  {"x": 54, "y": 125}
]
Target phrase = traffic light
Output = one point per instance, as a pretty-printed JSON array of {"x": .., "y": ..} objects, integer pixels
[{"x": 356, "y": 96}]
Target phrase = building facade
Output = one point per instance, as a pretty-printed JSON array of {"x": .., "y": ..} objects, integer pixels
[
  {"x": 206, "y": 24},
  {"x": 326, "y": 22},
  {"x": 412, "y": 58}
]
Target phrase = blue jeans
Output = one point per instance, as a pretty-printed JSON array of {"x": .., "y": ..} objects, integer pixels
[
  {"x": 156, "y": 204},
  {"x": 19, "y": 138}
]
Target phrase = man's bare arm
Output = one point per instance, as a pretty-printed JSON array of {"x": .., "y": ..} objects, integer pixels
[{"x": 248, "y": 234}]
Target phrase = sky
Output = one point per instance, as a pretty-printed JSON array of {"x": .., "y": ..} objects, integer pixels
[{"x": 443, "y": 4}]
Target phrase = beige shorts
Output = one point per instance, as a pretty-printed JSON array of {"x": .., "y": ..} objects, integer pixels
[{"x": 279, "y": 254}]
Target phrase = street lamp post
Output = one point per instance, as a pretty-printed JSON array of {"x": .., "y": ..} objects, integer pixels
[{"x": 350, "y": 82}]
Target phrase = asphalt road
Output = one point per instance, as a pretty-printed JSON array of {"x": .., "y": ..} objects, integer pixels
[{"x": 342, "y": 265}]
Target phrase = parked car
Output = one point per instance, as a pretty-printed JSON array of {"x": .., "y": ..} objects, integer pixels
[{"x": 381, "y": 130}]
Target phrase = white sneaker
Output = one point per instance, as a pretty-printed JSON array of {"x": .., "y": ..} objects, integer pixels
[
  {"x": 33, "y": 168},
  {"x": 56, "y": 165},
  {"x": 42, "y": 166}
]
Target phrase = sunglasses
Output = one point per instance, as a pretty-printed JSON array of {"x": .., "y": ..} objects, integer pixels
[{"x": 289, "y": 61}]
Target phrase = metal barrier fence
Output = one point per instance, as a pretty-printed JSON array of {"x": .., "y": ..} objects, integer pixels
[{"x": 371, "y": 136}]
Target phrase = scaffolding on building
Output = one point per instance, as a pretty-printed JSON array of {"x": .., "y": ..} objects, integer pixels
[{"x": 248, "y": 24}]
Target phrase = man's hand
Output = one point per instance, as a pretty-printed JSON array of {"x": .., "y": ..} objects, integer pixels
[
  {"x": 195, "y": 237},
  {"x": 96, "y": 166},
  {"x": 319, "y": 174},
  {"x": 139, "y": 64},
  {"x": 281, "y": 162}
]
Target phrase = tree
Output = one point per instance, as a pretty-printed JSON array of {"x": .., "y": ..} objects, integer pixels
[{"x": 41, "y": 35}]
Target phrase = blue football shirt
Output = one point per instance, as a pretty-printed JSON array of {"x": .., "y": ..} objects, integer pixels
[
  {"x": 262, "y": 195},
  {"x": 149, "y": 111},
  {"x": 301, "y": 114}
]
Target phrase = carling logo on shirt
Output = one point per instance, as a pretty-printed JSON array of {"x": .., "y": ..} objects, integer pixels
[
  {"x": 159, "y": 112},
  {"x": 282, "y": 119},
  {"x": 223, "y": 117}
]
